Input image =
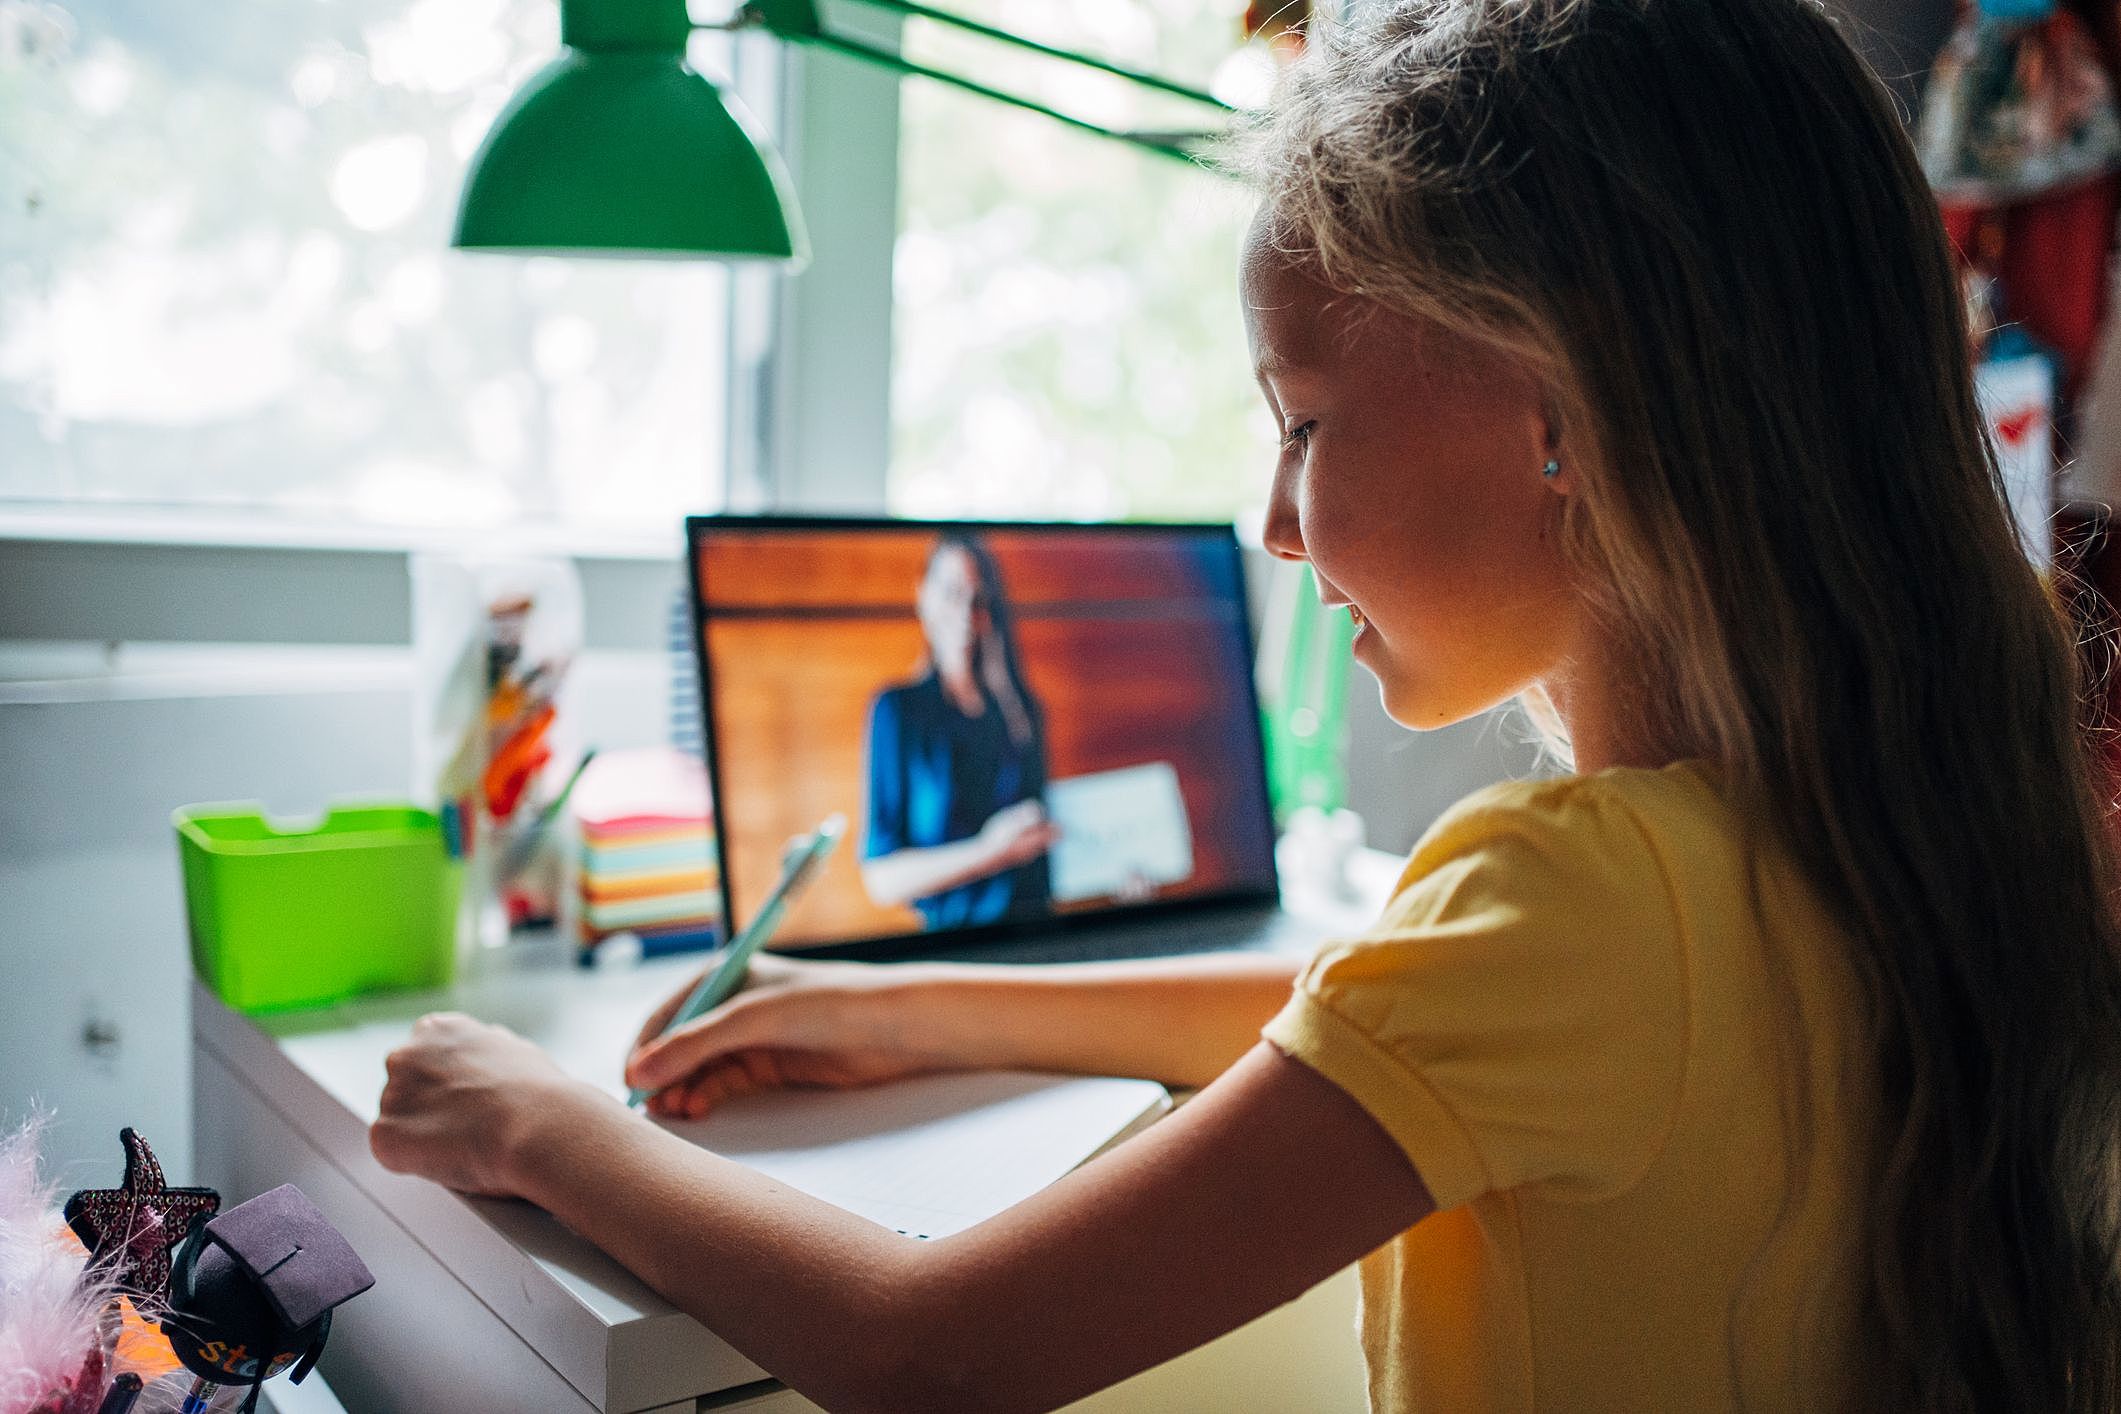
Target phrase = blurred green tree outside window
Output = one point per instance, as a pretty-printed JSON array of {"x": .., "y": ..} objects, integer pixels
[
  {"x": 225, "y": 281},
  {"x": 1067, "y": 338}
]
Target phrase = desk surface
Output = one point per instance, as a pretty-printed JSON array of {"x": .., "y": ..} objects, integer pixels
[{"x": 619, "y": 1345}]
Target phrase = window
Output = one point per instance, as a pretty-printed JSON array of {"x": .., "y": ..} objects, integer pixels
[
  {"x": 225, "y": 278},
  {"x": 1068, "y": 341}
]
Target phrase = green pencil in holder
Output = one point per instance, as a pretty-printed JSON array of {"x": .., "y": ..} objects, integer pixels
[{"x": 362, "y": 901}]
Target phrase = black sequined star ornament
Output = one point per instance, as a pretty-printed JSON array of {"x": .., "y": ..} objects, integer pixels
[{"x": 134, "y": 1226}]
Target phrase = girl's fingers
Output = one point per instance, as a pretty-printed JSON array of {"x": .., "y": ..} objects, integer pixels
[
  {"x": 727, "y": 1028},
  {"x": 694, "y": 1096},
  {"x": 746, "y": 1072},
  {"x": 680, "y": 1100},
  {"x": 765, "y": 971},
  {"x": 660, "y": 1017},
  {"x": 717, "y": 1085}
]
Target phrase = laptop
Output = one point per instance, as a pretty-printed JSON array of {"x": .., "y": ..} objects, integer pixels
[{"x": 1044, "y": 738}]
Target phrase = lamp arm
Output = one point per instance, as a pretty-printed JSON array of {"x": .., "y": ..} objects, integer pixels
[
  {"x": 798, "y": 21},
  {"x": 1166, "y": 144},
  {"x": 1001, "y": 36}
]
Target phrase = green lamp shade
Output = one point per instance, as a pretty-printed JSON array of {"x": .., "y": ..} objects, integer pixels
[{"x": 627, "y": 152}]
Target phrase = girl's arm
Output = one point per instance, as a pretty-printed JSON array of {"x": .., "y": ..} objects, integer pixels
[
  {"x": 1268, "y": 1182},
  {"x": 1181, "y": 1020}
]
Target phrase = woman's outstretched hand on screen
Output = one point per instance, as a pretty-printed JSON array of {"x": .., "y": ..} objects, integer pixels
[{"x": 1017, "y": 834}]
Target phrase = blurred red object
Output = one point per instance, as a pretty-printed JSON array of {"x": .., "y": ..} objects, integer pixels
[{"x": 2052, "y": 262}]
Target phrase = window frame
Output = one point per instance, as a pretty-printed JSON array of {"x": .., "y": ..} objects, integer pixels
[{"x": 808, "y": 364}]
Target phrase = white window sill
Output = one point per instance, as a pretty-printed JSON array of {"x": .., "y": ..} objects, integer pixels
[
  {"x": 77, "y": 522},
  {"x": 74, "y": 574}
]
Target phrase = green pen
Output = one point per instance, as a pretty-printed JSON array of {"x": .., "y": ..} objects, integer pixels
[
  {"x": 799, "y": 864},
  {"x": 527, "y": 836}
]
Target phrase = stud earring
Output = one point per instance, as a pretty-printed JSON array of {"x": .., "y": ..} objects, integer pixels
[{"x": 1551, "y": 470}]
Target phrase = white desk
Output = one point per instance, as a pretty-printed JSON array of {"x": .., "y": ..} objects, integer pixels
[{"x": 484, "y": 1305}]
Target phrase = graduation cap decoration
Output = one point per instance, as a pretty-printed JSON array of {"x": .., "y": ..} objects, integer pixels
[
  {"x": 134, "y": 1226},
  {"x": 253, "y": 1290}
]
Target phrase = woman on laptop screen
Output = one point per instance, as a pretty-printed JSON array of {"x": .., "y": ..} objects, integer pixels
[{"x": 956, "y": 761}]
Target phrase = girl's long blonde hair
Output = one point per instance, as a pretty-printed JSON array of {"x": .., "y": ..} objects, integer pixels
[{"x": 1701, "y": 224}]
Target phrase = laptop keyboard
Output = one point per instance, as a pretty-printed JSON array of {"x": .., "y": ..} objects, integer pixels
[{"x": 1243, "y": 932}]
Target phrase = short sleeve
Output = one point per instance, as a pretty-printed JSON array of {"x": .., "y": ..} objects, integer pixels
[
  {"x": 1518, "y": 1017},
  {"x": 884, "y": 825}
]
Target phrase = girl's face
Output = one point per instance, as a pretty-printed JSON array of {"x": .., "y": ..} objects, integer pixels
[
  {"x": 950, "y": 610},
  {"x": 1410, "y": 477}
]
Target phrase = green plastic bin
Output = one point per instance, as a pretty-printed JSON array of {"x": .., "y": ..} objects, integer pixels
[{"x": 363, "y": 901}]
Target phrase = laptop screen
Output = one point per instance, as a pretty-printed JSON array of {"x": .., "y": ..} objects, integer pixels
[{"x": 1020, "y": 723}]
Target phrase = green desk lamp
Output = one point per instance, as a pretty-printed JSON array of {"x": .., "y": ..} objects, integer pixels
[{"x": 619, "y": 147}]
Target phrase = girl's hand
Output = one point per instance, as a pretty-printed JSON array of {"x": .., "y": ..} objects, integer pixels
[
  {"x": 826, "y": 1024},
  {"x": 462, "y": 1100}
]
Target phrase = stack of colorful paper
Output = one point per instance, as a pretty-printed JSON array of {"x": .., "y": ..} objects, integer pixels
[{"x": 649, "y": 864}]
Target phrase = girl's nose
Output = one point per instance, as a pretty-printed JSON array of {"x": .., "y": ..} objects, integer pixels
[{"x": 1282, "y": 535}]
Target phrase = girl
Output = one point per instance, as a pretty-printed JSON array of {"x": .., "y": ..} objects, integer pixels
[{"x": 1767, "y": 1062}]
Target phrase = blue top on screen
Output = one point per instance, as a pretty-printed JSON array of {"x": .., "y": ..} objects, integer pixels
[{"x": 936, "y": 776}]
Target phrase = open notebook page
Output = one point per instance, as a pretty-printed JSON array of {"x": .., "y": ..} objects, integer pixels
[{"x": 929, "y": 1156}]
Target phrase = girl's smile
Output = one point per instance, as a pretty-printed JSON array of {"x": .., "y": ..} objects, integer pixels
[{"x": 1328, "y": 598}]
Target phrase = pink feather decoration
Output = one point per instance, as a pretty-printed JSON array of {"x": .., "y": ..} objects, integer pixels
[{"x": 52, "y": 1354}]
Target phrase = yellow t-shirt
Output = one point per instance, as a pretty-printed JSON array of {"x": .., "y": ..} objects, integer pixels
[{"x": 1595, "y": 1039}]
